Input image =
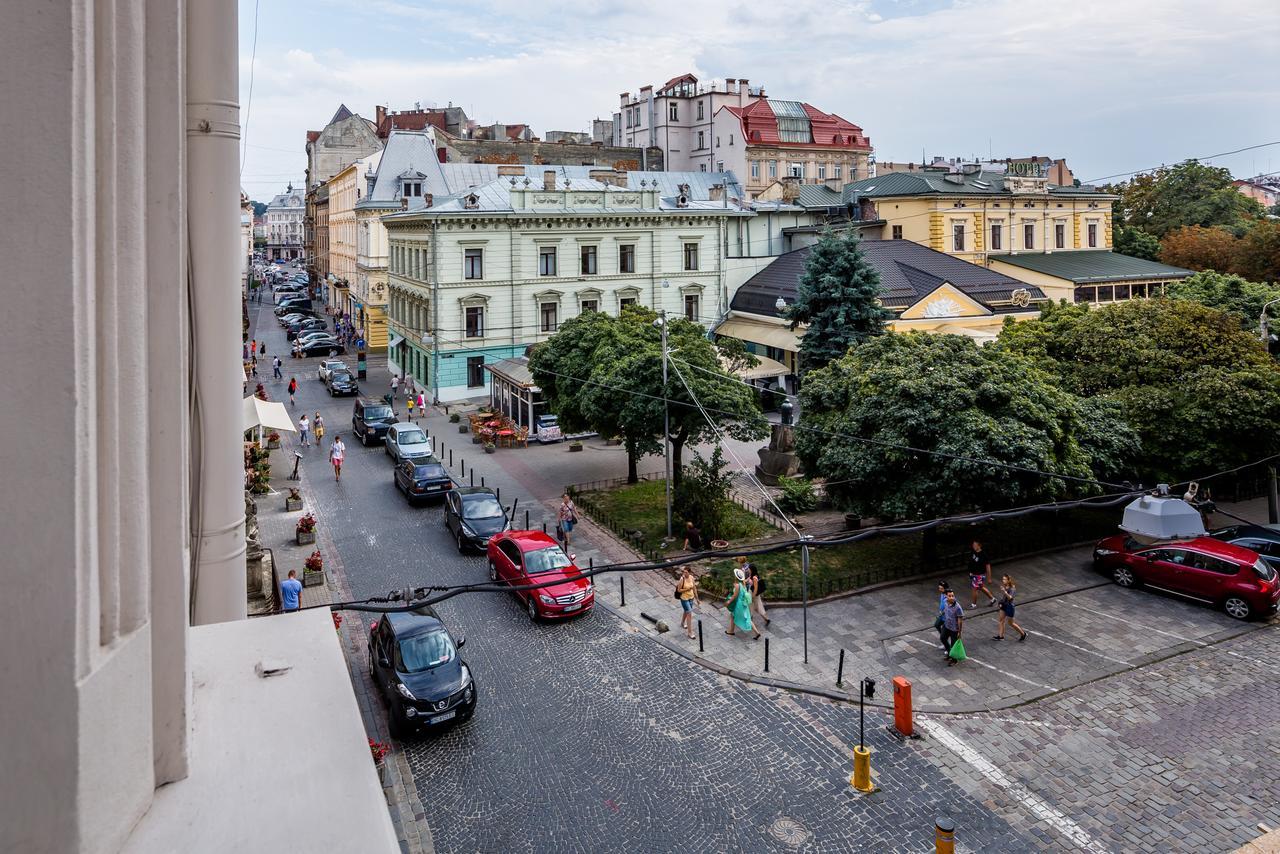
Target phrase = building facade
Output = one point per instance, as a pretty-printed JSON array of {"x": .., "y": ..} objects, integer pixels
[
  {"x": 284, "y": 225},
  {"x": 677, "y": 119},
  {"x": 345, "y": 190},
  {"x": 477, "y": 277},
  {"x": 320, "y": 260},
  {"x": 346, "y": 138}
]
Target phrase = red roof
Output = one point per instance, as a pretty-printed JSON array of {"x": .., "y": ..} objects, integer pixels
[
  {"x": 514, "y": 131},
  {"x": 760, "y": 127},
  {"x": 683, "y": 78},
  {"x": 411, "y": 120},
  {"x": 313, "y": 135}
]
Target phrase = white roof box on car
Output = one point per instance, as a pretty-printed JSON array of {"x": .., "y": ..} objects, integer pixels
[{"x": 1161, "y": 517}]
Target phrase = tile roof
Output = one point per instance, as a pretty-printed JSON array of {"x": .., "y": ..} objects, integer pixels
[
  {"x": 1084, "y": 266},
  {"x": 935, "y": 184},
  {"x": 908, "y": 273},
  {"x": 777, "y": 122}
]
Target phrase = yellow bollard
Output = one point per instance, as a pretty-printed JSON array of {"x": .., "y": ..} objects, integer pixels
[
  {"x": 944, "y": 836},
  {"x": 861, "y": 779}
]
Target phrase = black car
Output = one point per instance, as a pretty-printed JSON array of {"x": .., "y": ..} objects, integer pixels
[
  {"x": 304, "y": 325},
  {"x": 370, "y": 420},
  {"x": 320, "y": 348},
  {"x": 417, "y": 667},
  {"x": 293, "y": 317},
  {"x": 474, "y": 514},
  {"x": 1258, "y": 538},
  {"x": 292, "y": 305},
  {"x": 341, "y": 382},
  {"x": 422, "y": 477}
]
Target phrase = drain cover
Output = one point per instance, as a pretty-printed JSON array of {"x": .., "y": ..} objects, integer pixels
[{"x": 788, "y": 831}]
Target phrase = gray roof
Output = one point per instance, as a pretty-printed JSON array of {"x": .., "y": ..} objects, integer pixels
[
  {"x": 990, "y": 184},
  {"x": 1085, "y": 266},
  {"x": 282, "y": 200},
  {"x": 516, "y": 370},
  {"x": 908, "y": 272}
]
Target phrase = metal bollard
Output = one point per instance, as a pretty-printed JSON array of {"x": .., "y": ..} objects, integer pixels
[
  {"x": 451, "y": 458},
  {"x": 861, "y": 779},
  {"x": 544, "y": 527},
  {"x": 473, "y": 477},
  {"x": 700, "y": 649},
  {"x": 526, "y": 520},
  {"x": 482, "y": 480},
  {"x": 840, "y": 669},
  {"x": 766, "y": 655},
  {"x": 944, "y": 836},
  {"x": 497, "y": 493},
  {"x": 622, "y": 589}
]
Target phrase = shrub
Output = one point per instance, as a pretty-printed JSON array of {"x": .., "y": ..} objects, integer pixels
[
  {"x": 797, "y": 495},
  {"x": 703, "y": 493}
]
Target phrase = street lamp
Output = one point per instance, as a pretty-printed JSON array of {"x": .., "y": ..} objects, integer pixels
[
  {"x": 1262, "y": 320},
  {"x": 780, "y": 304},
  {"x": 661, "y": 323}
]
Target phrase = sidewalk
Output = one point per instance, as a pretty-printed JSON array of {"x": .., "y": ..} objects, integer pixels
[{"x": 1082, "y": 627}]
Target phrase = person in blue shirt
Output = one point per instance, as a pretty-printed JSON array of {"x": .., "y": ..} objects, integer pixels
[
  {"x": 291, "y": 591},
  {"x": 943, "y": 589}
]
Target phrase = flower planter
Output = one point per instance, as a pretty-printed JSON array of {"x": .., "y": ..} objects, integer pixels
[
  {"x": 576, "y": 446},
  {"x": 462, "y": 428},
  {"x": 852, "y": 521},
  {"x": 273, "y": 444},
  {"x": 313, "y": 579},
  {"x": 476, "y": 440},
  {"x": 489, "y": 449},
  {"x": 305, "y": 537},
  {"x": 292, "y": 504},
  {"x": 613, "y": 443},
  {"x": 719, "y": 545}
]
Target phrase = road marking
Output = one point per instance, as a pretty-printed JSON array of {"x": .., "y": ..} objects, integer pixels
[
  {"x": 1078, "y": 836},
  {"x": 990, "y": 667},
  {"x": 1199, "y": 643},
  {"x": 1041, "y": 634}
]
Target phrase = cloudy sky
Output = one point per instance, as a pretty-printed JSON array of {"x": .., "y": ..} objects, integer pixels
[{"x": 1111, "y": 85}]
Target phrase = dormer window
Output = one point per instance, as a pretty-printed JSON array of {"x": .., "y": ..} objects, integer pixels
[
  {"x": 411, "y": 189},
  {"x": 471, "y": 201}
]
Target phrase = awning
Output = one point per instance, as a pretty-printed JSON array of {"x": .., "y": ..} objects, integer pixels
[
  {"x": 767, "y": 369},
  {"x": 268, "y": 414},
  {"x": 777, "y": 335},
  {"x": 394, "y": 341}
]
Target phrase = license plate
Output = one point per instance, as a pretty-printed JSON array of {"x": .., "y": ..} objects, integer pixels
[
  {"x": 569, "y": 608},
  {"x": 442, "y": 718}
]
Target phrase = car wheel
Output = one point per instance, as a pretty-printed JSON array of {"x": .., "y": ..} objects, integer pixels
[
  {"x": 1123, "y": 576},
  {"x": 532, "y": 609},
  {"x": 457, "y": 538},
  {"x": 1237, "y": 607},
  {"x": 493, "y": 573},
  {"x": 364, "y": 440}
]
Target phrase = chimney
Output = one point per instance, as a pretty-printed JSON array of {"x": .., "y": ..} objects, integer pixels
[
  {"x": 508, "y": 171},
  {"x": 427, "y": 199},
  {"x": 548, "y": 179},
  {"x": 715, "y": 192},
  {"x": 380, "y": 113},
  {"x": 404, "y": 203},
  {"x": 790, "y": 188}
]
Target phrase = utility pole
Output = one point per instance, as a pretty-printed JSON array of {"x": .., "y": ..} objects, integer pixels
[
  {"x": 804, "y": 594},
  {"x": 666, "y": 418},
  {"x": 1262, "y": 321}
]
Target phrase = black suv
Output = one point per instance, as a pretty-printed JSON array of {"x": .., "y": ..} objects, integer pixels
[
  {"x": 415, "y": 664},
  {"x": 370, "y": 420},
  {"x": 473, "y": 515}
]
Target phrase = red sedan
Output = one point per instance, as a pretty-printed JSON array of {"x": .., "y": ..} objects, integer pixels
[
  {"x": 522, "y": 558},
  {"x": 1226, "y": 576}
]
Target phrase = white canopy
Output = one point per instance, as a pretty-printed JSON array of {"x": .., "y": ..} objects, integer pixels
[
  {"x": 766, "y": 370},
  {"x": 1155, "y": 517},
  {"x": 268, "y": 414}
]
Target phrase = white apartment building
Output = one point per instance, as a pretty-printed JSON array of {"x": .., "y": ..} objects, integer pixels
[{"x": 284, "y": 225}]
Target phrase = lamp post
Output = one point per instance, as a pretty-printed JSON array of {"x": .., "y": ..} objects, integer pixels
[
  {"x": 666, "y": 411},
  {"x": 1262, "y": 320},
  {"x": 781, "y": 305}
]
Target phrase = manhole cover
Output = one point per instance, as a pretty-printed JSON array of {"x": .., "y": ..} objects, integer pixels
[{"x": 788, "y": 831}]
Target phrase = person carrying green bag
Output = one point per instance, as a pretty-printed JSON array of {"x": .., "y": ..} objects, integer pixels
[{"x": 952, "y": 627}]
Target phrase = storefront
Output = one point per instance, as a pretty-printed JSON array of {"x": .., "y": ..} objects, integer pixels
[{"x": 513, "y": 392}]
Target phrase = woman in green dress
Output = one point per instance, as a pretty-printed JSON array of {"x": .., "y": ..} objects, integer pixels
[{"x": 739, "y": 605}]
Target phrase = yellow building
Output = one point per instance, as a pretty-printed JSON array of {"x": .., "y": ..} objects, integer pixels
[{"x": 345, "y": 190}]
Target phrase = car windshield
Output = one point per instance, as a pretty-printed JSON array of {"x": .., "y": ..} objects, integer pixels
[
  {"x": 412, "y": 437},
  {"x": 1264, "y": 570},
  {"x": 482, "y": 507},
  {"x": 423, "y": 652},
  {"x": 342, "y": 377},
  {"x": 426, "y": 467},
  {"x": 545, "y": 560},
  {"x": 377, "y": 413}
]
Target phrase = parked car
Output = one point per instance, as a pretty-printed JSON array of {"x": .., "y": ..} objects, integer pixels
[
  {"x": 306, "y": 324},
  {"x": 1258, "y": 538},
  {"x": 417, "y": 667},
  {"x": 370, "y": 420},
  {"x": 1227, "y": 576},
  {"x": 341, "y": 383},
  {"x": 292, "y": 305},
  {"x": 405, "y": 441},
  {"x": 291, "y": 317},
  {"x": 422, "y": 477},
  {"x": 310, "y": 335},
  {"x": 548, "y": 429},
  {"x": 329, "y": 366},
  {"x": 523, "y": 558},
  {"x": 320, "y": 347},
  {"x": 474, "y": 515}
]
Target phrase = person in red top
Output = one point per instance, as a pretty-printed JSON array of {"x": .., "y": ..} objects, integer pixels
[{"x": 293, "y": 388}]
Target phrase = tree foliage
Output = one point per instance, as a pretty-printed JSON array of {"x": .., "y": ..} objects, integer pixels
[
  {"x": 942, "y": 393},
  {"x": 838, "y": 296},
  {"x": 1199, "y": 248},
  {"x": 1200, "y": 391},
  {"x": 1189, "y": 193},
  {"x": 702, "y": 495},
  {"x": 1129, "y": 240},
  {"x": 1226, "y": 292},
  {"x": 604, "y": 374}
]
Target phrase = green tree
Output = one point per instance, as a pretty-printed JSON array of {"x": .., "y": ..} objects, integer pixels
[
  {"x": 1189, "y": 193},
  {"x": 604, "y": 373},
  {"x": 1226, "y": 293},
  {"x": 1258, "y": 257},
  {"x": 839, "y": 298},
  {"x": 1128, "y": 240},
  {"x": 702, "y": 495},
  {"x": 942, "y": 393},
  {"x": 1201, "y": 392}
]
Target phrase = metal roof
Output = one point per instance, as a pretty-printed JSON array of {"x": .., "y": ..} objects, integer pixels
[
  {"x": 1083, "y": 266},
  {"x": 936, "y": 184},
  {"x": 908, "y": 273}
]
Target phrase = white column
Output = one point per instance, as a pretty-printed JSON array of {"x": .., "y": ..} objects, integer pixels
[{"x": 213, "y": 134}]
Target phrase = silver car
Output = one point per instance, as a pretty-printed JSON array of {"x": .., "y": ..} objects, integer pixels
[
  {"x": 329, "y": 367},
  {"x": 406, "y": 440}
]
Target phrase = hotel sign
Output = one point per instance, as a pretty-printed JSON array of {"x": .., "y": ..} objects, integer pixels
[{"x": 1025, "y": 170}]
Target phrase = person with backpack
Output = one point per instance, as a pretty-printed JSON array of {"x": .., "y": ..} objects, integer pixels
[
  {"x": 1007, "y": 591},
  {"x": 756, "y": 583},
  {"x": 952, "y": 626},
  {"x": 293, "y": 388},
  {"x": 566, "y": 518},
  {"x": 687, "y": 594},
  {"x": 739, "y": 606}
]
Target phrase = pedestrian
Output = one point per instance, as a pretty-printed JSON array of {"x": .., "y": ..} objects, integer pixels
[
  {"x": 253, "y": 348},
  {"x": 979, "y": 569},
  {"x": 304, "y": 430},
  {"x": 566, "y": 518},
  {"x": 692, "y": 538},
  {"x": 337, "y": 453},
  {"x": 317, "y": 427},
  {"x": 293, "y": 388},
  {"x": 409, "y": 403},
  {"x": 952, "y": 624},
  {"x": 253, "y": 368},
  {"x": 1007, "y": 591},
  {"x": 275, "y": 368},
  {"x": 422, "y": 404},
  {"x": 291, "y": 592},
  {"x": 943, "y": 589},
  {"x": 687, "y": 593},
  {"x": 395, "y": 384},
  {"x": 739, "y": 605},
  {"x": 262, "y": 349},
  {"x": 757, "y": 588},
  {"x": 244, "y": 352}
]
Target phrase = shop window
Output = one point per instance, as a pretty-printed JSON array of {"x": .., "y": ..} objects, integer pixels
[{"x": 475, "y": 371}]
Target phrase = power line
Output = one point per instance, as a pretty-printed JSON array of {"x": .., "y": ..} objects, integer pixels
[
  {"x": 1163, "y": 165},
  {"x": 253, "y": 58}
]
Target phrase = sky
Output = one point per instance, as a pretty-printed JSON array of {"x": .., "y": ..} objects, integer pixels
[{"x": 1113, "y": 86}]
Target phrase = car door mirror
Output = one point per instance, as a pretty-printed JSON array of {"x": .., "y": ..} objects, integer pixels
[
  {"x": 460, "y": 642},
  {"x": 383, "y": 661}
]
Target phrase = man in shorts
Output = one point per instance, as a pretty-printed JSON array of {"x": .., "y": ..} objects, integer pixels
[
  {"x": 337, "y": 453},
  {"x": 979, "y": 569}
]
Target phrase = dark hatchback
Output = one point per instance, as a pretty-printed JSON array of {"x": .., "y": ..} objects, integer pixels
[
  {"x": 417, "y": 667},
  {"x": 473, "y": 515},
  {"x": 1257, "y": 538},
  {"x": 341, "y": 383},
  {"x": 422, "y": 477},
  {"x": 370, "y": 421},
  {"x": 322, "y": 347}
]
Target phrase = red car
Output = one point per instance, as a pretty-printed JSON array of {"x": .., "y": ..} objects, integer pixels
[
  {"x": 1227, "y": 576},
  {"x": 533, "y": 557}
]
